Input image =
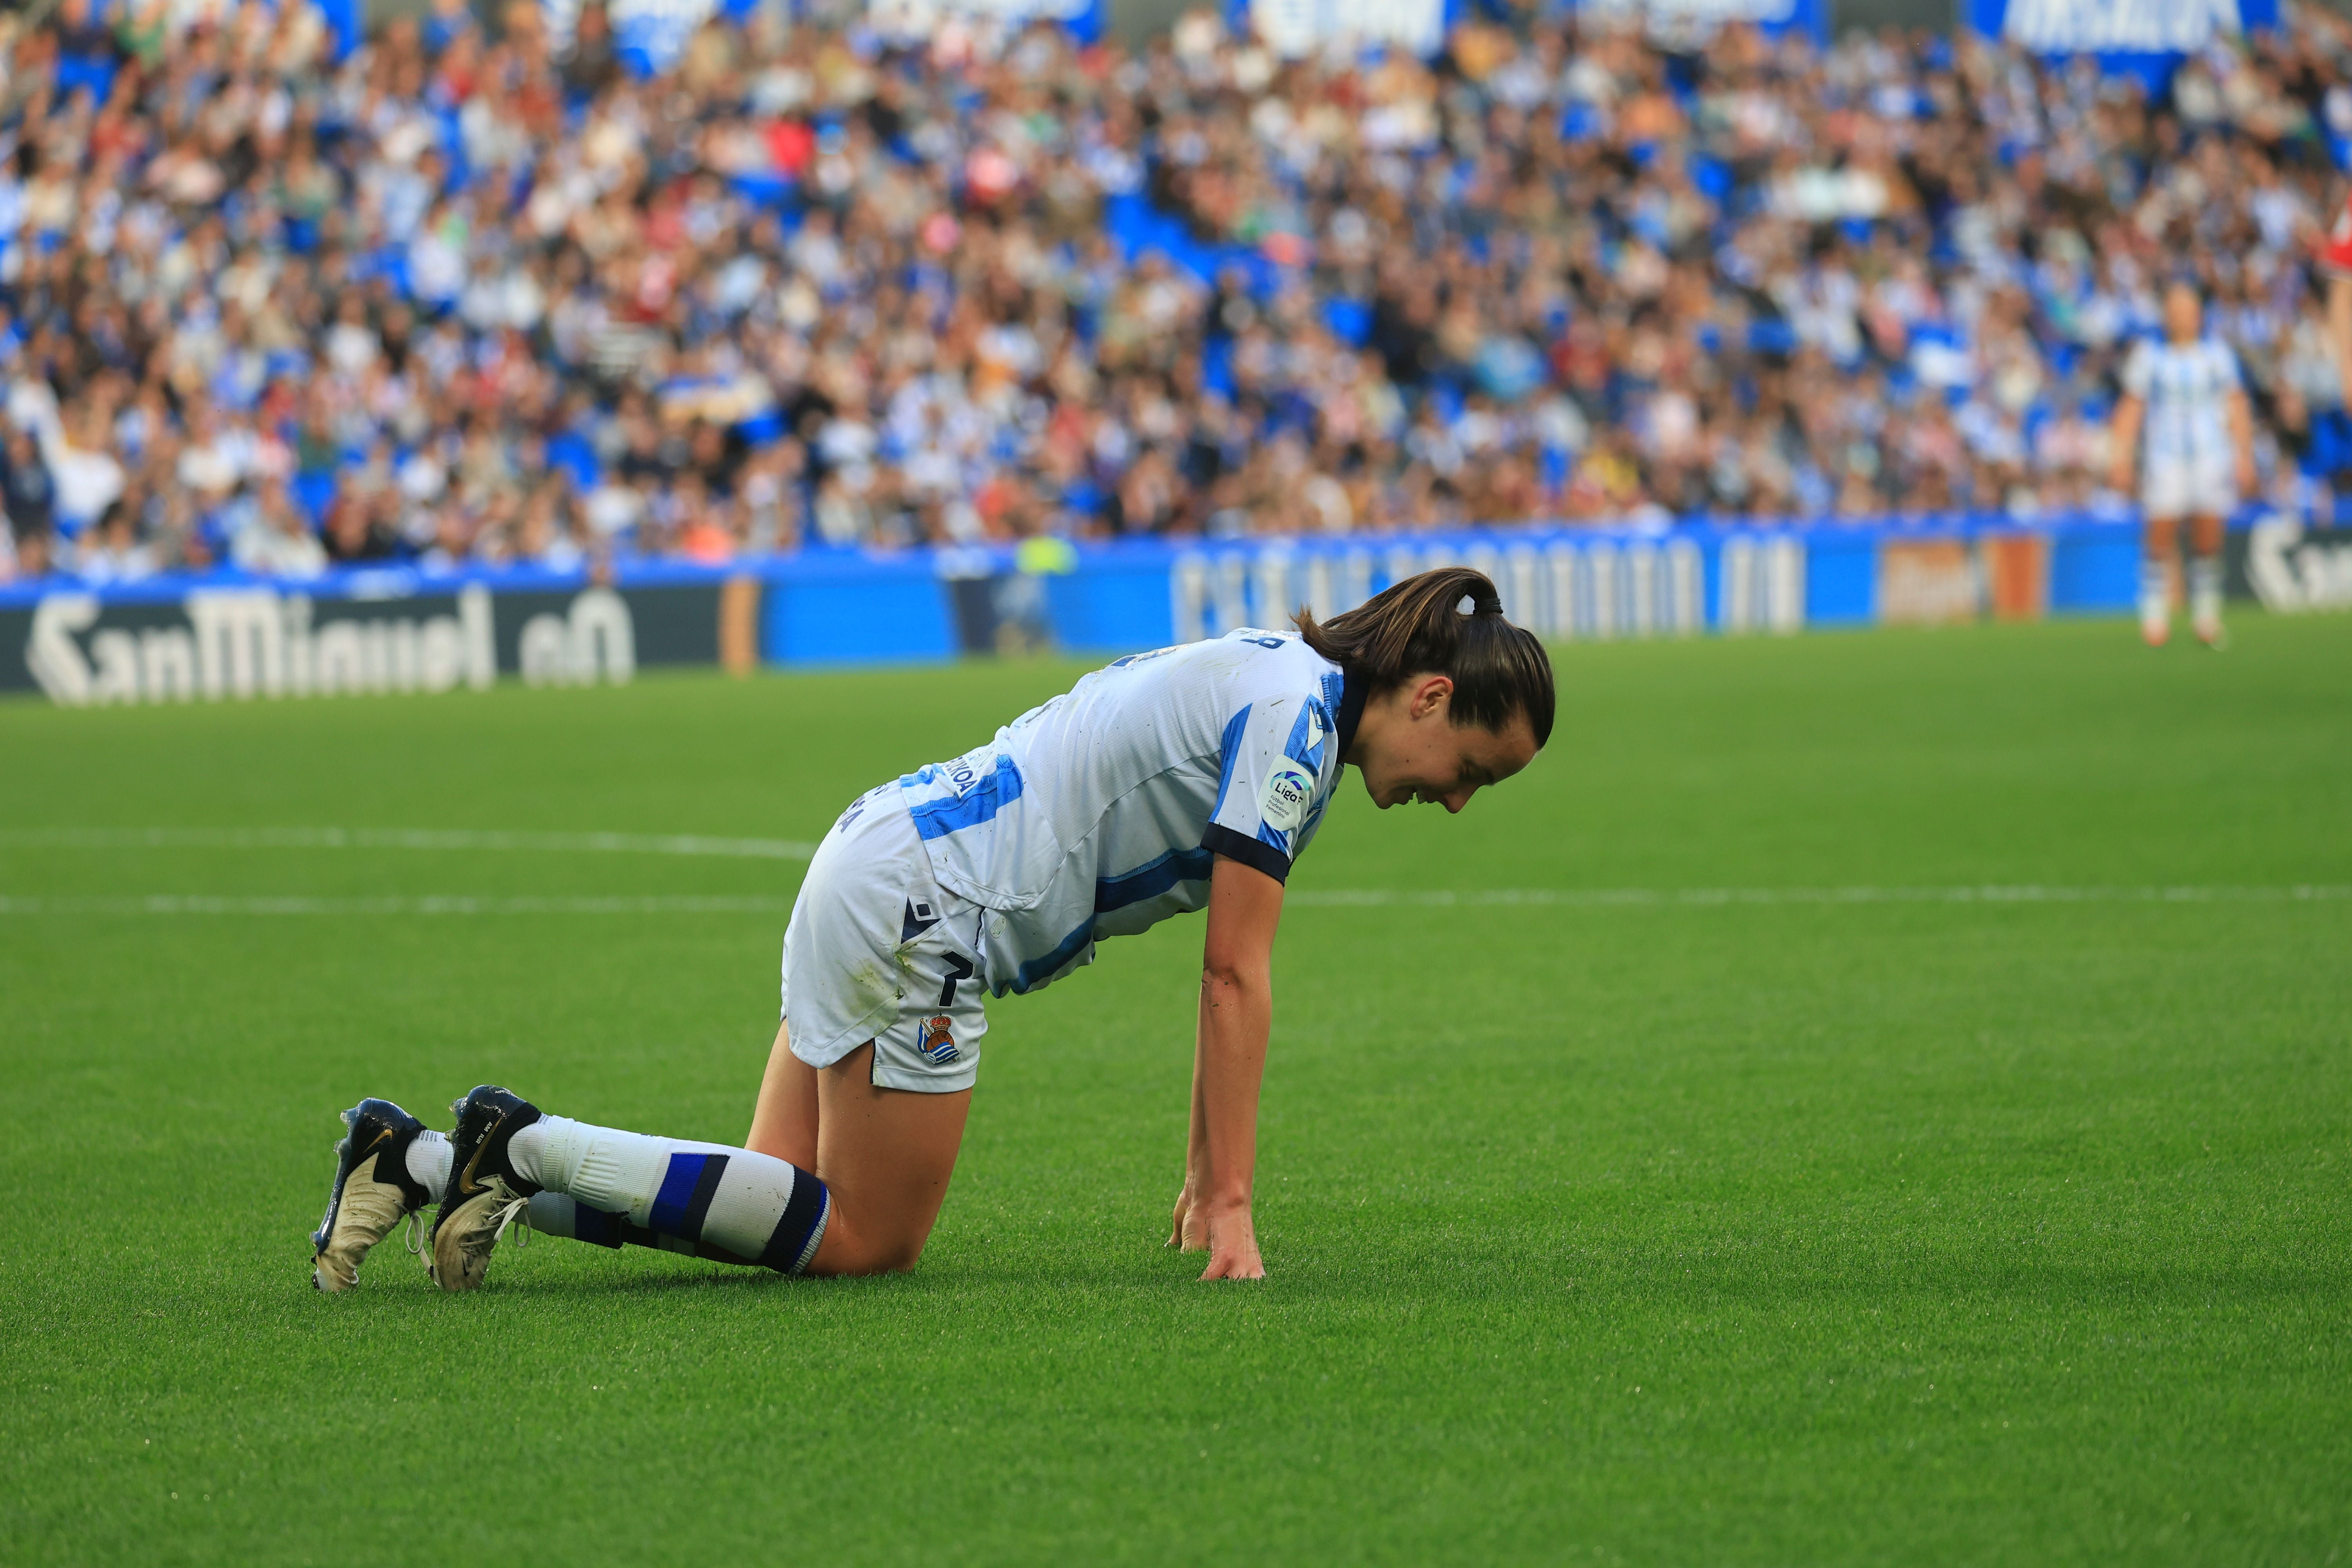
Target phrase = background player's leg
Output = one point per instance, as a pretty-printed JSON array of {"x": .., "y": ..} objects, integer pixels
[
  {"x": 785, "y": 1122},
  {"x": 2154, "y": 580},
  {"x": 885, "y": 1154},
  {"x": 2205, "y": 577}
]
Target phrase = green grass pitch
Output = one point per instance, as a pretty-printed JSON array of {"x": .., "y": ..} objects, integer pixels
[{"x": 1677, "y": 1231}]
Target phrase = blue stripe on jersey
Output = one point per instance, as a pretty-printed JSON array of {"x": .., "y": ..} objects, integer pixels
[
  {"x": 938, "y": 818},
  {"x": 1228, "y": 747},
  {"x": 1037, "y": 970},
  {"x": 1152, "y": 879},
  {"x": 1295, "y": 747}
]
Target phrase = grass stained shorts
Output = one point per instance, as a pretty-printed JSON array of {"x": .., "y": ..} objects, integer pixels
[{"x": 878, "y": 950}]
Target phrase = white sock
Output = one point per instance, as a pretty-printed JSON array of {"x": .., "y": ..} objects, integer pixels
[
  {"x": 2205, "y": 590},
  {"x": 429, "y": 1163},
  {"x": 2155, "y": 596},
  {"x": 523, "y": 1149},
  {"x": 552, "y": 1214},
  {"x": 753, "y": 1205}
]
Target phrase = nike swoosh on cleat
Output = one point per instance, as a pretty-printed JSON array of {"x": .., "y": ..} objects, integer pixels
[{"x": 467, "y": 1185}]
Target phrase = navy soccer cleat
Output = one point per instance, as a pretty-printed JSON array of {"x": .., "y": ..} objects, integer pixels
[
  {"x": 373, "y": 1191},
  {"x": 484, "y": 1195}
]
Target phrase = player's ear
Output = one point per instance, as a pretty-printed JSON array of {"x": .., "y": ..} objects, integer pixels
[{"x": 1433, "y": 694}]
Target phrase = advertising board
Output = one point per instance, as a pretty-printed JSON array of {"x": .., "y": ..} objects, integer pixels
[
  {"x": 396, "y": 633},
  {"x": 373, "y": 630}
]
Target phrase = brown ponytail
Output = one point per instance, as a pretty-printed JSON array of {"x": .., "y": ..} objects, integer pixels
[{"x": 1417, "y": 628}]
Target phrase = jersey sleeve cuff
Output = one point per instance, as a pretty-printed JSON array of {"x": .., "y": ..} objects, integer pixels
[{"x": 1253, "y": 853}]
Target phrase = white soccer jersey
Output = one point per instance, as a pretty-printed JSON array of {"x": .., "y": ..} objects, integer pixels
[
  {"x": 2187, "y": 391},
  {"x": 1100, "y": 812}
]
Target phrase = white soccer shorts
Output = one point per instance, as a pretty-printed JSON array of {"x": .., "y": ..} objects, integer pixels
[
  {"x": 2187, "y": 490},
  {"x": 878, "y": 950}
]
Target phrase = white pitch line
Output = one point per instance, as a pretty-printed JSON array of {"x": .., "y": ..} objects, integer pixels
[
  {"x": 1557, "y": 898},
  {"x": 431, "y": 904},
  {"x": 1704, "y": 898},
  {"x": 793, "y": 849},
  {"x": 401, "y": 838}
]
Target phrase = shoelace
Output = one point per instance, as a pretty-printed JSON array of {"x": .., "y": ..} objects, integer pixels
[{"x": 515, "y": 1215}]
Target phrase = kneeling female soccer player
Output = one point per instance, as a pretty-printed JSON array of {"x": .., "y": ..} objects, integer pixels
[{"x": 1168, "y": 782}]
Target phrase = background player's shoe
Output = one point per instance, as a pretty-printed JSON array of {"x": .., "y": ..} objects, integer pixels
[
  {"x": 373, "y": 1191},
  {"x": 484, "y": 1195}
]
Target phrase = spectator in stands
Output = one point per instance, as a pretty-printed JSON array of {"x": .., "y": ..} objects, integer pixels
[
  {"x": 273, "y": 538},
  {"x": 484, "y": 293},
  {"x": 31, "y": 495},
  {"x": 112, "y": 550}
]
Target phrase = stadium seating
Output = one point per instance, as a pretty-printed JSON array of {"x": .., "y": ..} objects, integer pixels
[{"x": 819, "y": 287}]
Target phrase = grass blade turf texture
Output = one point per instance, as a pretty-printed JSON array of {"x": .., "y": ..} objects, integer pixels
[{"x": 1667, "y": 1232}]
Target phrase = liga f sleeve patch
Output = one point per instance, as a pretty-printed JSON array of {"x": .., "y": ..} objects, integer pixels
[{"x": 1266, "y": 781}]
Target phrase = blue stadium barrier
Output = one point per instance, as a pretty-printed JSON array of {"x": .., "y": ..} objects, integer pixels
[
  {"x": 840, "y": 607},
  {"x": 2093, "y": 569},
  {"x": 850, "y": 607}
]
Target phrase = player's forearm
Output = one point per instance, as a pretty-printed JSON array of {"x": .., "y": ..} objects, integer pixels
[
  {"x": 1196, "y": 1143},
  {"x": 1237, "y": 1014}
]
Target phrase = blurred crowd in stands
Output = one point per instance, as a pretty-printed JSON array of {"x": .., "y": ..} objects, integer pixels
[{"x": 481, "y": 293}]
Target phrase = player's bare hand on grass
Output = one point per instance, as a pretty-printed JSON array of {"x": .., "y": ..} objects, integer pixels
[
  {"x": 1232, "y": 1243},
  {"x": 1189, "y": 1229}
]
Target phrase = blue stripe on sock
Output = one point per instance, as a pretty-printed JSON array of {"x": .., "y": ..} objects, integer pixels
[
  {"x": 596, "y": 1227},
  {"x": 653, "y": 1240},
  {"x": 706, "y": 1187},
  {"x": 676, "y": 1195},
  {"x": 787, "y": 1250}
]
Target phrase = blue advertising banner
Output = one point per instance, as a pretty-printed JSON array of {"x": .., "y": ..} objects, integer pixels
[{"x": 399, "y": 629}]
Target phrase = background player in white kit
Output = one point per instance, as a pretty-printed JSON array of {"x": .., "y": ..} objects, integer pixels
[
  {"x": 1169, "y": 782},
  {"x": 2183, "y": 396}
]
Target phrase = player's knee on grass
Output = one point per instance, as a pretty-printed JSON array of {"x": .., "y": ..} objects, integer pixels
[
  {"x": 886, "y": 1155},
  {"x": 847, "y": 1252}
]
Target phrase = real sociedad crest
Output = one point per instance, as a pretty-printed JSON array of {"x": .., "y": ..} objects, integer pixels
[{"x": 936, "y": 1040}]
